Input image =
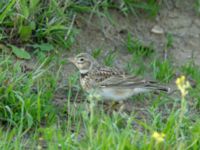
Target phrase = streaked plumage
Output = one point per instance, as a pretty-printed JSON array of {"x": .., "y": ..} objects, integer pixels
[{"x": 110, "y": 83}]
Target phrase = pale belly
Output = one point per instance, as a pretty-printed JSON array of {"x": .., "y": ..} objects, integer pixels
[{"x": 119, "y": 94}]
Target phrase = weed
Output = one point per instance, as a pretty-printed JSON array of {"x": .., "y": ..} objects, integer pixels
[
  {"x": 109, "y": 59},
  {"x": 96, "y": 53},
  {"x": 170, "y": 40},
  {"x": 162, "y": 70},
  {"x": 23, "y": 94},
  {"x": 150, "y": 7},
  {"x": 136, "y": 64},
  {"x": 136, "y": 47},
  {"x": 31, "y": 21},
  {"x": 197, "y": 6}
]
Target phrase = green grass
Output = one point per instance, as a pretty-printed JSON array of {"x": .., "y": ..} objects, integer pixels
[
  {"x": 150, "y": 7},
  {"x": 25, "y": 93},
  {"x": 34, "y": 21},
  {"x": 38, "y": 112},
  {"x": 30, "y": 119},
  {"x": 197, "y": 6}
]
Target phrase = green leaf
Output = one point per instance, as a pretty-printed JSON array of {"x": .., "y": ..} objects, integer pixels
[
  {"x": 56, "y": 27},
  {"x": 24, "y": 8},
  {"x": 44, "y": 47},
  {"x": 25, "y": 32},
  {"x": 6, "y": 10},
  {"x": 32, "y": 25},
  {"x": 41, "y": 56},
  {"x": 20, "y": 52},
  {"x": 33, "y": 5}
]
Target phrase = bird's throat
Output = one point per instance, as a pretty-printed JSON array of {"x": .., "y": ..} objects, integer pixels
[{"x": 83, "y": 75}]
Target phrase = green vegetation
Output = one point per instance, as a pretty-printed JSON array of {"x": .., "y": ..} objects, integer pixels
[
  {"x": 197, "y": 6},
  {"x": 32, "y": 114}
]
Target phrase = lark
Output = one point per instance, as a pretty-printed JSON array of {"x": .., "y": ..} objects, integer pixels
[{"x": 108, "y": 82}]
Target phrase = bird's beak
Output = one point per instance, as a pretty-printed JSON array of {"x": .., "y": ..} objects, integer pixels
[{"x": 71, "y": 59}]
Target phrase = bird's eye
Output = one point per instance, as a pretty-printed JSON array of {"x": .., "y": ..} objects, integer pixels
[{"x": 81, "y": 59}]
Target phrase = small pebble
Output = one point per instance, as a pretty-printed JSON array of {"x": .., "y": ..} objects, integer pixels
[{"x": 157, "y": 30}]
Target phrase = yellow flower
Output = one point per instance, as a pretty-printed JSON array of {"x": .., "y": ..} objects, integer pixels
[
  {"x": 182, "y": 85},
  {"x": 159, "y": 137}
]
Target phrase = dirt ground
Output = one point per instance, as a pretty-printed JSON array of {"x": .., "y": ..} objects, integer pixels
[{"x": 176, "y": 18}]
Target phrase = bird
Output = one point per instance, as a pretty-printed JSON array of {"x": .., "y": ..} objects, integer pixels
[{"x": 110, "y": 83}]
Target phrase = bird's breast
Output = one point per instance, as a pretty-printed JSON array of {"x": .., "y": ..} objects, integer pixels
[
  {"x": 85, "y": 83},
  {"x": 118, "y": 94},
  {"x": 115, "y": 94}
]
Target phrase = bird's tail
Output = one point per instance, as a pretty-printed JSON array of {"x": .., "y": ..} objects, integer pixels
[{"x": 154, "y": 86}]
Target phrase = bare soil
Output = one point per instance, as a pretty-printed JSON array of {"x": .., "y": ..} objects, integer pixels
[{"x": 109, "y": 33}]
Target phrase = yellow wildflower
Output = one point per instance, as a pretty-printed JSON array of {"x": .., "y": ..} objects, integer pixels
[
  {"x": 159, "y": 137},
  {"x": 182, "y": 85}
]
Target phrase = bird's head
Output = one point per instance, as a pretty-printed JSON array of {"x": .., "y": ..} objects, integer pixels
[{"x": 84, "y": 62}]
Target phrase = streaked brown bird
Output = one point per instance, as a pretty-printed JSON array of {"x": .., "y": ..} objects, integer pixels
[{"x": 108, "y": 82}]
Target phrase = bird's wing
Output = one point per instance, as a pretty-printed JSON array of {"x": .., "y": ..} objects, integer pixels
[
  {"x": 122, "y": 81},
  {"x": 107, "y": 77},
  {"x": 132, "y": 82},
  {"x": 102, "y": 74}
]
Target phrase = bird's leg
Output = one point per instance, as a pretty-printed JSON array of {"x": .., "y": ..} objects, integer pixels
[
  {"x": 114, "y": 105},
  {"x": 121, "y": 106}
]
